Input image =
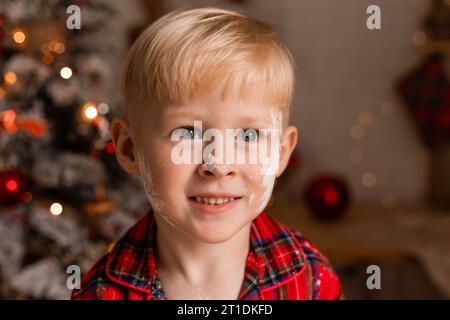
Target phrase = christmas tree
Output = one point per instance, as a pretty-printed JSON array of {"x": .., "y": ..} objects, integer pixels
[{"x": 63, "y": 197}]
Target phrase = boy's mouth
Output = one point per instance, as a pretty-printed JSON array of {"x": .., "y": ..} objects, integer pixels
[{"x": 214, "y": 200}]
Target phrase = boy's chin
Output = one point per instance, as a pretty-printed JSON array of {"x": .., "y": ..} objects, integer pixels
[{"x": 218, "y": 235}]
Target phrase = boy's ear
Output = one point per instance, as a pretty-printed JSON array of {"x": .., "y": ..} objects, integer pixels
[
  {"x": 288, "y": 143},
  {"x": 124, "y": 145}
]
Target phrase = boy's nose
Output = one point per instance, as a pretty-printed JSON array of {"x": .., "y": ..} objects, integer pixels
[{"x": 216, "y": 170}]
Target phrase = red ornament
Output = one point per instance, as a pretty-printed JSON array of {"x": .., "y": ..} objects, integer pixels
[
  {"x": 426, "y": 93},
  {"x": 327, "y": 197},
  {"x": 12, "y": 188}
]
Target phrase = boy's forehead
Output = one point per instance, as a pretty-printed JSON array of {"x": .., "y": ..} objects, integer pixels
[
  {"x": 225, "y": 99},
  {"x": 239, "y": 109},
  {"x": 225, "y": 95}
]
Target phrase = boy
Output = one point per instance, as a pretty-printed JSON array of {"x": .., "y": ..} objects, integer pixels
[{"x": 207, "y": 235}]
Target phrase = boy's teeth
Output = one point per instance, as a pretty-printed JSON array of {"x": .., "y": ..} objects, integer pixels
[{"x": 213, "y": 201}]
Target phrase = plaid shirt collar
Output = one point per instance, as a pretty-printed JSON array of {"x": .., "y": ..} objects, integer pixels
[{"x": 274, "y": 257}]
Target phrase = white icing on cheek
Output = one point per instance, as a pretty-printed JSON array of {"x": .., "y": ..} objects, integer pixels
[
  {"x": 146, "y": 177},
  {"x": 156, "y": 203},
  {"x": 267, "y": 184},
  {"x": 250, "y": 199},
  {"x": 261, "y": 197},
  {"x": 270, "y": 168}
]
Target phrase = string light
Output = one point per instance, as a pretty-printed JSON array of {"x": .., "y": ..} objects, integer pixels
[
  {"x": 368, "y": 179},
  {"x": 8, "y": 120},
  {"x": 56, "y": 209},
  {"x": 18, "y": 36},
  {"x": 10, "y": 77},
  {"x": 56, "y": 46},
  {"x": 60, "y": 48},
  {"x": 66, "y": 73},
  {"x": 2, "y": 93},
  {"x": 89, "y": 111},
  {"x": 48, "y": 58},
  {"x": 103, "y": 108},
  {"x": 12, "y": 185},
  {"x": 110, "y": 148},
  {"x": 357, "y": 132},
  {"x": 365, "y": 119},
  {"x": 53, "y": 45}
]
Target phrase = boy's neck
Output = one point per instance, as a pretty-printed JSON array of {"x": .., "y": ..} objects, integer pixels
[{"x": 196, "y": 261}]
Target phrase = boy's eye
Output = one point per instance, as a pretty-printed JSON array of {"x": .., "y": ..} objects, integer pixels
[
  {"x": 187, "y": 133},
  {"x": 248, "y": 135}
]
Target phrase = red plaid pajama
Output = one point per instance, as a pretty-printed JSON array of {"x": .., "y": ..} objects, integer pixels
[{"x": 281, "y": 265}]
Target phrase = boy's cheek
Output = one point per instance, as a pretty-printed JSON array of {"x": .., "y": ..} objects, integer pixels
[
  {"x": 259, "y": 188},
  {"x": 161, "y": 158},
  {"x": 172, "y": 178}
]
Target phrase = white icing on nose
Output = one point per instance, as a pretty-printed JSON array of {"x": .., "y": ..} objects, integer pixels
[
  {"x": 209, "y": 162},
  {"x": 211, "y": 165}
]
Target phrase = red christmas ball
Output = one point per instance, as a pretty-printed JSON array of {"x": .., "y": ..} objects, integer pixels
[
  {"x": 12, "y": 187},
  {"x": 327, "y": 196}
]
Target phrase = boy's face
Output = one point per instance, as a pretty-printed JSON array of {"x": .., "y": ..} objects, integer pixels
[{"x": 210, "y": 200}]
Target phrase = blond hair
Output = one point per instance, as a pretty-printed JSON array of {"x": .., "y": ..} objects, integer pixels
[{"x": 184, "y": 52}]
